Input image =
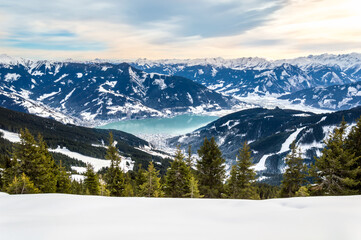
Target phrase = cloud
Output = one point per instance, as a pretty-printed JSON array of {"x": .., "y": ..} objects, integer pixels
[{"x": 178, "y": 28}]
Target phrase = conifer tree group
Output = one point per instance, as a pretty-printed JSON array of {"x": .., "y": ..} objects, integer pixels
[{"x": 32, "y": 169}]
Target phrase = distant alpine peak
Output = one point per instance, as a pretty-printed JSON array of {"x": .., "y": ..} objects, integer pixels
[{"x": 344, "y": 61}]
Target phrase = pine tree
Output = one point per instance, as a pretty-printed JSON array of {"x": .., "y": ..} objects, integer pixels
[
  {"x": 353, "y": 144},
  {"x": 11, "y": 170},
  {"x": 129, "y": 186},
  {"x": 103, "y": 191},
  {"x": 302, "y": 192},
  {"x": 177, "y": 177},
  {"x": 152, "y": 186},
  {"x": 77, "y": 187},
  {"x": 140, "y": 179},
  {"x": 63, "y": 180},
  {"x": 91, "y": 181},
  {"x": 22, "y": 185},
  {"x": 295, "y": 174},
  {"x": 115, "y": 176},
  {"x": 240, "y": 184},
  {"x": 333, "y": 171},
  {"x": 46, "y": 179},
  {"x": 210, "y": 169},
  {"x": 189, "y": 159},
  {"x": 193, "y": 189},
  {"x": 36, "y": 162}
]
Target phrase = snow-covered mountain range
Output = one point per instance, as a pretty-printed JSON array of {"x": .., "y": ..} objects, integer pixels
[
  {"x": 245, "y": 77},
  {"x": 101, "y": 91}
]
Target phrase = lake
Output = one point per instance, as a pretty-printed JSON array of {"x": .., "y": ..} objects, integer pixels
[{"x": 177, "y": 125}]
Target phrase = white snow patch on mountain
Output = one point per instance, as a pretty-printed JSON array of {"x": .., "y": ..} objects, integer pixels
[
  {"x": 60, "y": 78},
  {"x": 79, "y": 169},
  {"x": 160, "y": 83},
  {"x": 261, "y": 165},
  {"x": 10, "y": 136},
  {"x": 47, "y": 95},
  {"x": 286, "y": 145},
  {"x": 126, "y": 163},
  {"x": 11, "y": 77}
]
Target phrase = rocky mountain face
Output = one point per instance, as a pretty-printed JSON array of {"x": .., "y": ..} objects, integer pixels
[
  {"x": 101, "y": 91},
  {"x": 269, "y": 133}
]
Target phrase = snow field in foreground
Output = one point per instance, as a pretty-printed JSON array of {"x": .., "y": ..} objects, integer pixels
[{"x": 59, "y": 216}]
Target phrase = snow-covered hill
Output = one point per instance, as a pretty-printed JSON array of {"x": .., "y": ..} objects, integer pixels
[
  {"x": 59, "y": 217},
  {"x": 269, "y": 133}
]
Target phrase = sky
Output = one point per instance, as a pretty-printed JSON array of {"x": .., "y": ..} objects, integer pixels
[{"x": 183, "y": 29}]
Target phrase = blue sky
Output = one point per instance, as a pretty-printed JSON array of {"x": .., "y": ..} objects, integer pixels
[{"x": 119, "y": 29}]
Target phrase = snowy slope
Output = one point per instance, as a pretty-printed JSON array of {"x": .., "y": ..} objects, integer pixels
[{"x": 59, "y": 217}]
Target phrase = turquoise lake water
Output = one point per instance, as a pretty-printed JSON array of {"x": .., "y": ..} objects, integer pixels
[{"x": 177, "y": 125}]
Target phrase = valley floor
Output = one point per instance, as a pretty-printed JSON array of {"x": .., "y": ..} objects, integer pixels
[{"x": 59, "y": 216}]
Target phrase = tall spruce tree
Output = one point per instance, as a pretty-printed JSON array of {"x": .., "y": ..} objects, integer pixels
[
  {"x": 193, "y": 189},
  {"x": 240, "y": 183},
  {"x": 152, "y": 186},
  {"x": 177, "y": 177},
  {"x": 63, "y": 180},
  {"x": 333, "y": 171},
  {"x": 140, "y": 179},
  {"x": 33, "y": 158},
  {"x": 91, "y": 181},
  {"x": 295, "y": 174},
  {"x": 189, "y": 159},
  {"x": 353, "y": 144},
  {"x": 46, "y": 179},
  {"x": 115, "y": 176},
  {"x": 210, "y": 169}
]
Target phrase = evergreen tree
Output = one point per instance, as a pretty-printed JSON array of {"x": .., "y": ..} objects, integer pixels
[
  {"x": 91, "y": 181},
  {"x": 129, "y": 186},
  {"x": 47, "y": 170},
  {"x": 210, "y": 169},
  {"x": 103, "y": 191},
  {"x": 33, "y": 158},
  {"x": 177, "y": 177},
  {"x": 353, "y": 144},
  {"x": 63, "y": 181},
  {"x": 22, "y": 185},
  {"x": 152, "y": 186},
  {"x": 302, "y": 192},
  {"x": 115, "y": 176},
  {"x": 189, "y": 159},
  {"x": 140, "y": 179},
  {"x": 11, "y": 170},
  {"x": 295, "y": 174},
  {"x": 193, "y": 189},
  {"x": 333, "y": 171},
  {"x": 128, "y": 190},
  {"x": 240, "y": 184},
  {"x": 77, "y": 187}
]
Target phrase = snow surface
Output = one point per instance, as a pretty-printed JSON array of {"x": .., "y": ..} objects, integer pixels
[
  {"x": 126, "y": 163},
  {"x": 261, "y": 165},
  {"x": 10, "y": 136},
  {"x": 60, "y": 216}
]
